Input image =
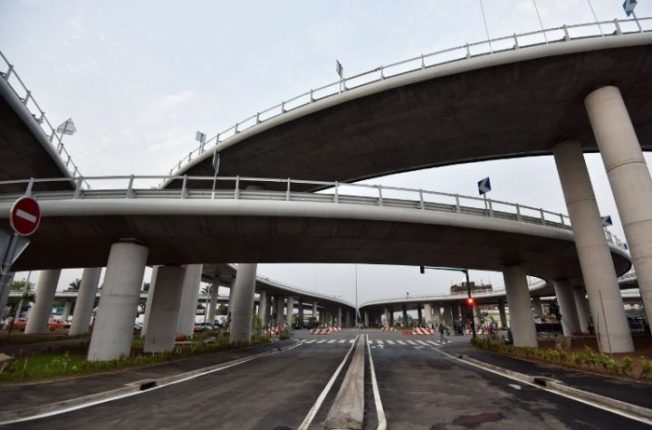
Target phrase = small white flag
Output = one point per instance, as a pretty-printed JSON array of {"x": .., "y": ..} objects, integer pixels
[{"x": 68, "y": 127}]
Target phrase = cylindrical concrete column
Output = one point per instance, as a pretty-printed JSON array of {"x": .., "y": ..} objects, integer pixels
[
  {"x": 188, "y": 309},
  {"x": 405, "y": 315},
  {"x": 594, "y": 255},
  {"x": 436, "y": 315},
  {"x": 244, "y": 289},
  {"x": 46, "y": 287},
  {"x": 582, "y": 308},
  {"x": 631, "y": 185},
  {"x": 67, "y": 307},
  {"x": 521, "y": 320},
  {"x": 569, "y": 321},
  {"x": 165, "y": 305},
  {"x": 279, "y": 303},
  {"x": 448, "y": 315},
  {"x": 537, "y": 306},
  {"x": 212, "y": 305},
  {"x": 289, "y": 310},
  {"x": 150, "y": 295},
  {"x": 114, "y": 325},
  {"x": 427, "y": 308},
  {"x": 315, "y": 312},
  {"x": 339, "y": 317},
  {"x": 503, "y": 315},
  {"x": 81, "y": 319},
  {"x": 263, "y": 309},
  {"x": 419, "y": 315},
  {"x": 456, "y": 312},
  {"x": 300, "y": 315},
  {"x": 366, "y": 319}
]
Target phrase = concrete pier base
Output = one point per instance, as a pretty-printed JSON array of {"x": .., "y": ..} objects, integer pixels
[
  {"x": 521, "y": 320},
  {"x": 165, "y": 306},
  {"x": 244, "y": 288},
  {"x": 85, "y": 301},
  {"x": 569, "y": 321},
  {"x": 46, "y": 286},
  {"x": 188, "y": 309}
]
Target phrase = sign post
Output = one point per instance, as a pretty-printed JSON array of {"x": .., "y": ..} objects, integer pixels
[
  {"x": 484, "y": 186},
  {"x": 24, "y": 218},
  {"x": 629, "y": 7}
]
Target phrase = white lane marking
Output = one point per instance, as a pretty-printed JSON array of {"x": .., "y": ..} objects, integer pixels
[
  {"x": 370, "y": 342},
  {"x": 422, "y": 343},
  {"x": 380, "y": 412},
  {"x": 515, "y": 386},
  {"x": 321, "y": 341},
  {"x": 431, "y": 342},
  {"x": 342, "y": 341},
  {"x": 26, "y": 216},
  {"x": 311, "y": 341},
  {"x": 352, "y": 340},
  {"x": 315, "y": 408},
  {"x": 568, "y": 396},
  {"x": 331, "y": 341},
  {"x": 221, "y": 367},
  {"x": 379, "y": 342},
  {"x": 391, "y": 342},
  {"x": 400, "y": 342},
  {"x": 411, "y": 342}
]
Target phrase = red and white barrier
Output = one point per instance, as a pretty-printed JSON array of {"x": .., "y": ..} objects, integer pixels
[
  {"x": 386, "y": 328},
  {"x": 422, "y": 330}
]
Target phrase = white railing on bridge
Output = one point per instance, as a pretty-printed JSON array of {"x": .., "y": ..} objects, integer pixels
[
  {"x": 8, "y": 74},
  {"x": 512, "y": 42},
  {"x": 235, "y": 188}
]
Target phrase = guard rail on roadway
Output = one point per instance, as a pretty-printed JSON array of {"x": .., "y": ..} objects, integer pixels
[{"x": 361, "y": 194}]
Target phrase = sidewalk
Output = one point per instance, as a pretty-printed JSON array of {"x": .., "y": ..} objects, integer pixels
[
  {"x": 17, "y": 396},
  {"x": 625, "y": 390}
]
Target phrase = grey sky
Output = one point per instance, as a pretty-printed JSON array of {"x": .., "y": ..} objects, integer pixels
[{"x": 139, "y": 78}]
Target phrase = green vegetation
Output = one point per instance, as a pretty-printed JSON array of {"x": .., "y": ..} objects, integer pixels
[
  {"x": 586, "y": 359},
  {"x": 73, "y": 361}
]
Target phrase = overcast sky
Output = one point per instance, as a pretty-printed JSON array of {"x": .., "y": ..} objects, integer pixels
[{"x": 140, "y": 77}]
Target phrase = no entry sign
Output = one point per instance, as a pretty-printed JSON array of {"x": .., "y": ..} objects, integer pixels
[{"x": 25, "y": 216}]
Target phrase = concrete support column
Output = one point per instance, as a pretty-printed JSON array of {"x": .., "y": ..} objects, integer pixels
[
  {"x": 67, "y": 307},
  {"x": 300, "y": 313},
  {"x": 280, "y": 309},
  {"x": 391, "y": 316},
  {"x": 436, "y": 314},
  {"x": 114, "y": 325},
  {"x": 419, "y": 315},
  {"x": 148, "y": 304},
  {"x": 347, "y": 319},
  {"x": 582, "y": 307},
  {"x": 405, "y": 315},
  {"x": 339, "y": 317},
  {"x": 366, "y": 319},
  {"x": 212, "y": 305},
  {"x": 386, "y": 316},
  {"x": 46, "y": 286},
  {"x": 455, "y": 309},
  {"x": 81, "y": 318},
  {"x": 448, "y": 315},
  {"x": 537, "y": 306},
  {"x": 263, "y": 309},
  {"x": 165, "y": 304},
  {"x": 244, "y": 288},
  {"x": 427, "y": 307},
  {"x": 315, "y": 312},
  {"x": 595, "y": 259},
  {"x": 631, "y": 185},
  {"x": 289, "y": 310},
  {"x": 503, "y": 315},
  {"x": 521, "y": 320},
  {"x": 188, "y": 309},
  {"x": 566, "y": 301}
]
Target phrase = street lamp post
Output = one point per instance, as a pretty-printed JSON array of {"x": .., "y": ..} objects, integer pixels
[{"x": 468, "y": 288}]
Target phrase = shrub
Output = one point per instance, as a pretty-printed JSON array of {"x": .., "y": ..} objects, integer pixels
[{"x": 646, "y": 367}]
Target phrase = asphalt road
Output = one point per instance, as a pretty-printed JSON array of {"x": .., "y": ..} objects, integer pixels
[{"x": 420, "y": 388}]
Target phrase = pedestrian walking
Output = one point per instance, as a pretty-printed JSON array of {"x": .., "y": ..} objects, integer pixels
[{"x": 442, "y": 330}]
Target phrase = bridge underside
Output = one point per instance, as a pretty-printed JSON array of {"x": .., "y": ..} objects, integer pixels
[{"x": 511, "y": 110}]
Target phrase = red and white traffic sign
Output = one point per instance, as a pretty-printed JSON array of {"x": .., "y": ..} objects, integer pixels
[{"x": 25, "y": 216}]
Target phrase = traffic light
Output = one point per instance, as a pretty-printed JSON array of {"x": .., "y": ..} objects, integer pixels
[{"x": 470, "y": 301}]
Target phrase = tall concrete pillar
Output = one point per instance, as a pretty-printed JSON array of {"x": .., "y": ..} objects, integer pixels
[
  {"x": 405, "y": 315},
  {"x": 263, "y": 309},
  {"x": 81, "y": 319},
  {"x": 503, "y": 315},
  {"x": 315, "y": 312},
  {"x": 212, "y": 305},
  {"x": 165, "y": 306},
  {"x": 114, "y": 325},
  {"x": 67, "y": 307},
  {"x": 366, "y": 319},
  {"x": 456, "y": 311},
  {"x": 280, "y": 309},
  {"x": 386, "y": 316},
  {"x": 631, "y": 185},
  {"x": 244, "y": 288},
  {"x": 189, "y": 295},
  {"x": 448, "y": 315},
  {"x": 595, "y": 259},
  {"x": 538, "y": 306},
  {"x": 427, "y": 308},
  {"x": 289, "y": 310},
  {"x": 436, "y": 314},
  {"x": 566, "y": 300},
  {"x": 521, "y": 319},
  {"x": 148, "y": 304},
  {"x": 582, "y": 307},
  {"x": 46, "y": 287},
  {"x": 391, "y": 317},
  {"x": 419, "y": 315},
  {"x": 339, "y": 317},
  {"x": 300, "y": 317}
]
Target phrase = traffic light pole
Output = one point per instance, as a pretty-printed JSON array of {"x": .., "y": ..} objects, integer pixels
[{"x": 470, "y": 301}]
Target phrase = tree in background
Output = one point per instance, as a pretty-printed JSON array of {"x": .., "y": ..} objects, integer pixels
[
  {"x": 74, "y": 285},
  {"x": 222, "y": 309},
  {"x": 20, "y": 285}
]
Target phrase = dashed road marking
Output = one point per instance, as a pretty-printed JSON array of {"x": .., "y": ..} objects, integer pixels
[
  {"x": 331, "y": 341},
  {"x": 351, "y": 340},
  {"x": 391, "y": 342},
  {"x": 422, "y": 343},
  {"x": 341, "y": 341},
  {"x": 411, "y": 342},
  {"x": 401, "y": 342},
  {"x": 321, "y": 341}
]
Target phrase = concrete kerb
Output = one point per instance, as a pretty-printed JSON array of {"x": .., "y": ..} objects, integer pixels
[
  {"x": 627, "y": 409},
  {"x": 129, "y": 389},
  {"x": 347, "y": 411}
]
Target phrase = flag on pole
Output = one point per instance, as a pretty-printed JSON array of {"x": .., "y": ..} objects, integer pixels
[
  {"x": 68, "y": 127},
  {"x": 629, "y": 6},
  {"x": 339, "y": 69},
  {"x": 200, "y": 137}
]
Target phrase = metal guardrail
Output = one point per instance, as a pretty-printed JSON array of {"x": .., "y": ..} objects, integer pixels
[
  {"x": 513, "y": 42},
  {"x": 25, "y": 95},
  {"x": 370, "y": 195}
]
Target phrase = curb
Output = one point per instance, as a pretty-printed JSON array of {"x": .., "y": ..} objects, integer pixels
[
  {"x": 558, "y": 387},
  {"x": 130, "y": 388},
  {"x": 347, "y": 411}
]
